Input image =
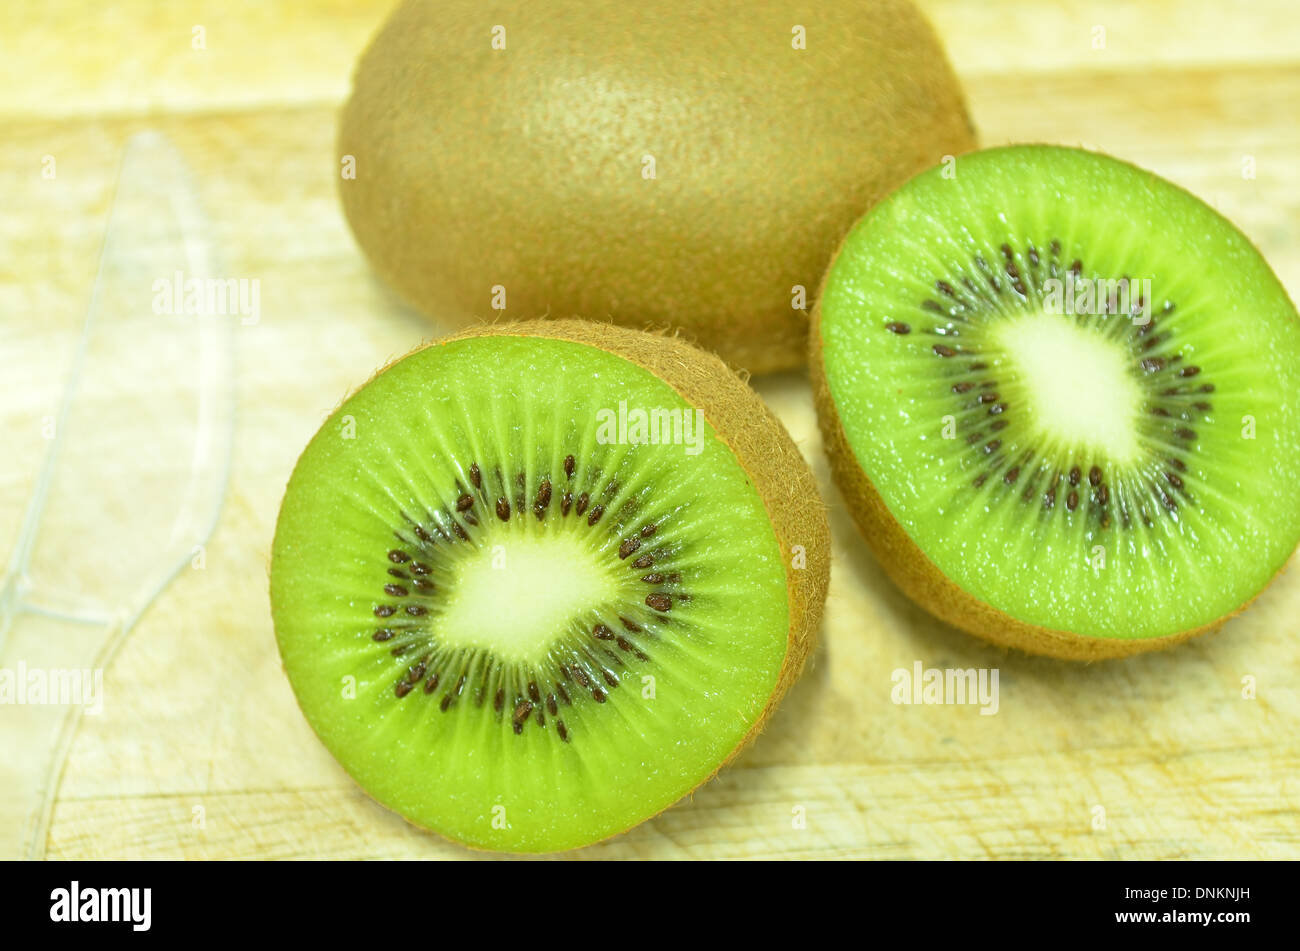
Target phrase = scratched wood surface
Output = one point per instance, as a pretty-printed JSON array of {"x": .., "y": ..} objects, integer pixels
[{"x": 198, "y": 713}]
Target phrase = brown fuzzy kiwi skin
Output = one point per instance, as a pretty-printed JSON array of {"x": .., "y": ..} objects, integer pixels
[
  {"x": 919, "y": 577},
  {"x": 522, "y": 167},
  {"x": 761, "y": 445}
]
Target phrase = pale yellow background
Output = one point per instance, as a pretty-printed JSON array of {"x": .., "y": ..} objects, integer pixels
[{"x": 199, "y": 713}]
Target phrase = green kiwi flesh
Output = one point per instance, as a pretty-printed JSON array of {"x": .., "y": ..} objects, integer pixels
[
  {"x": 1093, "y": 472},
  {"x": 512, "y": 621}
]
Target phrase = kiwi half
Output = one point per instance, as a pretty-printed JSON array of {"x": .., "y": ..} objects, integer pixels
[
  {"x": 1074, "y": 478},
  {"x": 684, "y": 163},
  {"x": 526, "y": 607}
]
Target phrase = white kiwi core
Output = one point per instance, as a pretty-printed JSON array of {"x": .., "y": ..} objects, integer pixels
[
  {"x": 1080, "y": 391},
  {"x": 517, "y": 593}
]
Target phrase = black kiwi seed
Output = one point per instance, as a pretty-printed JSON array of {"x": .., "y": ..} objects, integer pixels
[
  {"x": 522, "y": 709},
  {"x": 566, "y": 503},
  {"x": 898, "y": 327},
  {"x": 397, "y": 557},
  {"x": 1094, "y": 475},
  {"x": 943, "y": 350},
  {"x": 1074, "y": 476},
  {"x": 503, "y": 509},
  {"x": 385, "y": 610},
  {"x": 660, "y": 602},
  {"x": 581, "y": 507},
  {"x": 568, "y": 466},
  {"x": 645, "y": 561},
  {"x": 628, "y": 547},
  {"x": 602, "y": 633},
  {"x": 594, "y": 515},
  {"x": 396, "y": 590},
  {"x": 475, "y": 476}
]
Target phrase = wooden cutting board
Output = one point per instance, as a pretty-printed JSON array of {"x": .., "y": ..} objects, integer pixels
[{"x": 1165, "y": 749}]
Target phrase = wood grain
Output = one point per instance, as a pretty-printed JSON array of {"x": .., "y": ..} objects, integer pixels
[{"x": 201, "y": 751}]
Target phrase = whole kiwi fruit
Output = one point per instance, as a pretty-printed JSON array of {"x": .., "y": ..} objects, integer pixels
[
  {"x": 1060, "y": 398},
  {"x": 687, "y": 163},
  {"x": 534, "y": 583}
]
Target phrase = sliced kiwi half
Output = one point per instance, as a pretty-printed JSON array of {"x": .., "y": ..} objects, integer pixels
[
  {"x": 528, "y": 596},
  {"x": 1072, "y": 476}
]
